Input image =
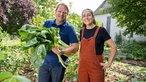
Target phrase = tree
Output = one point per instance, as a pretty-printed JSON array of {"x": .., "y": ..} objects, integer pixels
[
  {"x": 46, "y": 10},
  {"x": 130, "y": 14},
  {"x": 15, "y": 13}
]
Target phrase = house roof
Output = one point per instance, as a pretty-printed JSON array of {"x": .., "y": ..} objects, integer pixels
[{"x": 103, "y": 5}]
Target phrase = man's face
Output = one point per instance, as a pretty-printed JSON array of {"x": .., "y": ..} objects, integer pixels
[{"x": 61, "y": 14}]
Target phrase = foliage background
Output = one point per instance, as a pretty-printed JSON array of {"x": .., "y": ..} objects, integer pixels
[
  {"x": 130, "y": 15},
  {"x": 15, "y": 60}
]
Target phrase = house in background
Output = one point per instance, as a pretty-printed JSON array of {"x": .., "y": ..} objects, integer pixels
[{"x": 110, "y": 23}]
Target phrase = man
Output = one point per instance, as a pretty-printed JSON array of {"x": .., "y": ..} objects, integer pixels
[{"x": 51, "y": 70}]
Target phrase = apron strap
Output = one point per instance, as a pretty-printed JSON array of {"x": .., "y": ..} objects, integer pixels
[{"x": 96, "y": 32}]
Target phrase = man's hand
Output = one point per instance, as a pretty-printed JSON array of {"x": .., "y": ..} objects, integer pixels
[{"x": 56, "y": 50}]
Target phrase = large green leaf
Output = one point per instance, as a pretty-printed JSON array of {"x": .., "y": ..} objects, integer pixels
[
  {"x": 5, "y": 75},
  {"x": 12, "y": 79},
  {"x": 38, "y": 55},
  {"x": 22, "y": 79},
  {"x": 32, "y": 42}
]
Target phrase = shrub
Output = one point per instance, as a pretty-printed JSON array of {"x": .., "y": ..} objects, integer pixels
[{"x": 15, "y": 13}]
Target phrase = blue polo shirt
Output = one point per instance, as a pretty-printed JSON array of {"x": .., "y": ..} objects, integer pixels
[{"x": 67, "y": 35}]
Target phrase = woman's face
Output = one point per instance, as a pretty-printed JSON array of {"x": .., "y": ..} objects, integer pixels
[{"x": 87, "y": 17}]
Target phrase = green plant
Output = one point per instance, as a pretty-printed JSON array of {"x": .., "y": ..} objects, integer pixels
[
  {"x": 9, "y": 77},
  {"x": 133, "y": 49},
  {"x": 45, "y": 11},
  {"x": 71, "y": 71},
  {"x": 15, "y": 13},
  {"x": 118, "y": 38}
]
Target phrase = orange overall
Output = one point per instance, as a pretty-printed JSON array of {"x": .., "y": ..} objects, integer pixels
[{"x": 90, "y": 69}]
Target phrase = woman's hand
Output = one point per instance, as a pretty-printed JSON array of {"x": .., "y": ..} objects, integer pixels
[{"x": 105, "y": 65}]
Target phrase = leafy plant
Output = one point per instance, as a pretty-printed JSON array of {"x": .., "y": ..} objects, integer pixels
[
  {"x": 45, "y": 10},
  {"x": 15, "y": 13},
  {"x": 134, "y": 50},
  {"x": 118, "y": 38},
  {"x": 9, "y": 77}
]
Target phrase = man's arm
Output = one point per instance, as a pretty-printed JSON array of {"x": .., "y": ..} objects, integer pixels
[{"x": 69, "y": 50}]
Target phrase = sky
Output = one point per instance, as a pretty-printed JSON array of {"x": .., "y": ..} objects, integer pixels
[{"x": 79, "y": 5}]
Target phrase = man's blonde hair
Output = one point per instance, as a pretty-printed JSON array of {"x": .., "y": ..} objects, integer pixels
[{"x": 61, "y": 3}]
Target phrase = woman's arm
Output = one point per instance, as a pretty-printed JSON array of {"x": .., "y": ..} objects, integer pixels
[{"x": 113, "y": 51}]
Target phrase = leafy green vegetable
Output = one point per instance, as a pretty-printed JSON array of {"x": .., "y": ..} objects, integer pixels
[{"x": 39, "y": 40}]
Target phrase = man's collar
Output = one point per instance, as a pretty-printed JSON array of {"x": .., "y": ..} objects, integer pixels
[{"x": 62, "y": 25}]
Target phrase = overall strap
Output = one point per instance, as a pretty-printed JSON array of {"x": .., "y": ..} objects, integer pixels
[{"x": 96, "y": 32}]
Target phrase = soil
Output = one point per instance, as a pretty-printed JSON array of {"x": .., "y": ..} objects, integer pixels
[{"x": 141, "y": 63}]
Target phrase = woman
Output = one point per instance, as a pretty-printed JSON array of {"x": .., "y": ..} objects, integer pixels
[{"x": 91, "y": 66}]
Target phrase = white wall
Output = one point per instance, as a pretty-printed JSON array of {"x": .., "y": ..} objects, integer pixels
[{"x": 114, "y": 29}]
